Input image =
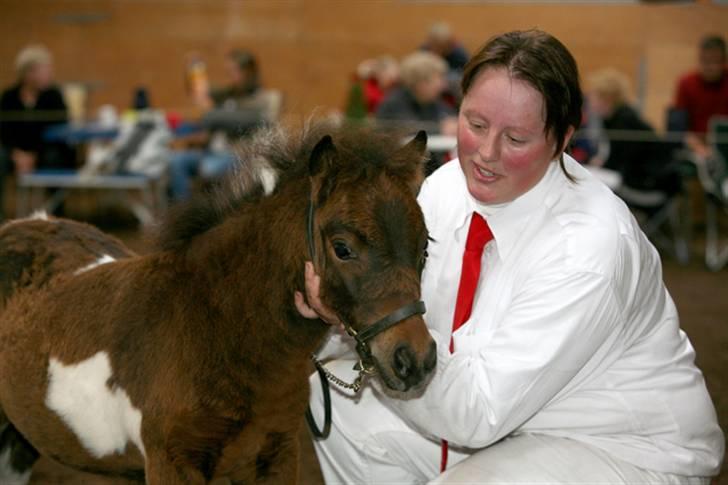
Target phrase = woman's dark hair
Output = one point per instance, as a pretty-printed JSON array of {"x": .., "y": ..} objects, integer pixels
[
  {"x": 246, "y": 61},
  {"x": 542, "y": 61}
]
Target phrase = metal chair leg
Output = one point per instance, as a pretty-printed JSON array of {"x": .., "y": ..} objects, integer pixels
[{"x": 715, "y": 256}]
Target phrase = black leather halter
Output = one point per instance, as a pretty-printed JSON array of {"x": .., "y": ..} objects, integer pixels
[{"x": 362, "y": 338}]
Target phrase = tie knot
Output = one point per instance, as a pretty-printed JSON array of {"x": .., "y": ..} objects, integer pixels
[{"x": 479, "y": 234}]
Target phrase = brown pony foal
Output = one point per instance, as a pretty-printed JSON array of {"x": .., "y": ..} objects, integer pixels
[{"x": 191, "y": 363}]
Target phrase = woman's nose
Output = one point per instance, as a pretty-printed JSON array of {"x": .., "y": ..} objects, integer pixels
[{"x": 489, "y": 149}]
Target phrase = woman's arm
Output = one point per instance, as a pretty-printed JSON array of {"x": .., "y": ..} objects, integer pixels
[{"x": 487, "y": 389}]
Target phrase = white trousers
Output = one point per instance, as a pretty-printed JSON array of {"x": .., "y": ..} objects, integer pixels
[{"x": 370, "y": 444}]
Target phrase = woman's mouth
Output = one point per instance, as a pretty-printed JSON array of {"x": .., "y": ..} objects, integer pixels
[{"x": 484, "y": 175}]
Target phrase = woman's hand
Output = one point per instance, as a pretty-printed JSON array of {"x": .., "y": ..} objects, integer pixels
[{"x": 311, "y": 306}]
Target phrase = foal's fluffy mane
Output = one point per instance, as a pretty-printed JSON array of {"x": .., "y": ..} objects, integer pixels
[{"x": 275, "y": 155}]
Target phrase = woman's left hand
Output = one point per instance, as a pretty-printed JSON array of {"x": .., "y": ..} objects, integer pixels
[{"x": 311, "y": 306}]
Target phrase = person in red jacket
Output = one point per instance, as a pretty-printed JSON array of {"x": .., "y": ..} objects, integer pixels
[{"x": 703, "y": 93}]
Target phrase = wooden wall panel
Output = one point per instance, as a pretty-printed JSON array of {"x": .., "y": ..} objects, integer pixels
[{"x": 309, "y": 48}]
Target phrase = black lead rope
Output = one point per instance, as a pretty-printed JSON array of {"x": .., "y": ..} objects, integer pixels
[
  {"x": 366, "y": 361},
  {"x": 315, "y": 430},
  {"x": 317, "y": 433}
]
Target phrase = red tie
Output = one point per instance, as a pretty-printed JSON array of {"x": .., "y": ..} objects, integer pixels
[{"x": 478, "y": 236}]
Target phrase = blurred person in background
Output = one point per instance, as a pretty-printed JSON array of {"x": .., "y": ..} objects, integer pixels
[
  {"x": 417, "y": 103},
  {"x": 442, "y": 42},
  {"x": 230, "y": 109},
  {"x": 27, "y": 109},
  {"x": 418, "y": 100},
  {"x": 703, "y": 93},
  {"x": 634, "y": 149},
  {"x": 380, "y": 76}
]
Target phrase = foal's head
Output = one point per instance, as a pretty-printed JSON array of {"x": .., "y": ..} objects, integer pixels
[{"x": 370, "y": 246}]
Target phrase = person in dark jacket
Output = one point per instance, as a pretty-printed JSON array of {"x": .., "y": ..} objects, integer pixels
[
  {"x": 635, "y": 150},
  {"x": 442, "y": 42},
  {"x": 27, "y": 109},
  {"x": 417, "y": 101}
]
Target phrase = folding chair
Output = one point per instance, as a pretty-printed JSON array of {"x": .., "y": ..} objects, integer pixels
[
  {"x": 664, "y": 210},
  {"x": 664, "y": 217}
]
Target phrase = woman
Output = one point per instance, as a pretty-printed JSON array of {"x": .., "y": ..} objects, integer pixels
[
  {"x": 571, "y": 367},
  {"x": 231, "y": 110},
  {"x": 418, "y": 101},
  {"x": 27, "y": 109},
  {"x": 642, "y": 163}
]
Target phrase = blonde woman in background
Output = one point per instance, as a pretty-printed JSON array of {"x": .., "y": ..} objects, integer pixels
[
  {"x": 27, "y": 109},
  {"x": 635, "y": 151},
  {"x": 418, "y": 101}
]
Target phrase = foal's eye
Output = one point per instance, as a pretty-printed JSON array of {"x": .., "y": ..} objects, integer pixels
[{"x": 343, "y": 252}]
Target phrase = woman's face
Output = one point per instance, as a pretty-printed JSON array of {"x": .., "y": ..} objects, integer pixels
[
  {"x": 431, "y": 89},
  {"x": 502, "y": 146},
  {"x": 237, "y": 75},
  {"x": 40, "y": 75}
]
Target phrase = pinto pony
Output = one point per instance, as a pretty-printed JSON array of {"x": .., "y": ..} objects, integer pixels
[{"x": 191, "y": 363}]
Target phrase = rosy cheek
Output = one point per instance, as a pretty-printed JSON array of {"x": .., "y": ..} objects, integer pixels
[
  {"x": 523, "y": 167},
  {"x": 467, "y": 142},
  {"x": 518, "y": 161}
]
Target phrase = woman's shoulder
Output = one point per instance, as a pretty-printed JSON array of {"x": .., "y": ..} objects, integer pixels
[{"x": 590, "y": 223}]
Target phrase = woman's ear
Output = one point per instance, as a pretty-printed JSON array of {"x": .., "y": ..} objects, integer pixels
[{"x": 567, "y": 139}]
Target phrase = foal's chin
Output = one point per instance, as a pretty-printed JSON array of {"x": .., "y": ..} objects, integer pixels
[
  {"x": 399, "y": 388},
  {"x": 412, "y": 382}
]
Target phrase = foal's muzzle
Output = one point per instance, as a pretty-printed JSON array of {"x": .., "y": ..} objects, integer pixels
[{"x": 411, "y": 370}]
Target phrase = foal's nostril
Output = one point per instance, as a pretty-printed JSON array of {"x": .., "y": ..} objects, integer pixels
[
  {"x": 430, "y": 358},
  {"x": 404, "y": 361}
]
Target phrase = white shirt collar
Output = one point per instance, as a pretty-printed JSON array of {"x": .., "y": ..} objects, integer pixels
[{"x": 507, "y": 220}]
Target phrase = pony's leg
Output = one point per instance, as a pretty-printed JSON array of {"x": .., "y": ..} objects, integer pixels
[
  {"x": 160, "y": 470},
  {"x": 17, "y": 456},
  {"x": 277, "y": 462}
]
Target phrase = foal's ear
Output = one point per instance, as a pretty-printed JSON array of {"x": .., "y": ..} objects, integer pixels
[
  {"x": 418, "y": 144},
  {"x": 321, "y": 156},
  {"x": 412, "y": 160}
]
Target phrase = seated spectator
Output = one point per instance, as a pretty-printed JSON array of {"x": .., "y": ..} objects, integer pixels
[
  {"x": 27, "y": 109},
  {"x": 417, "y": 102},
  {"x": 635, "y": 151},
  {"x": 703, "y": 93},
  {"x": 232, "y": 108},
  {"x": 380, "y": 75},
  {"x": 440, "y": 41}
]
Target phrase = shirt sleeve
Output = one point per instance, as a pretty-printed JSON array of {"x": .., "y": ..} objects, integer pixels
[{"x": 488, "y": 389}]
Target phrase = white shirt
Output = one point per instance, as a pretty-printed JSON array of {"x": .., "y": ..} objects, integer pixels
[{"x": 572, "y": 332}]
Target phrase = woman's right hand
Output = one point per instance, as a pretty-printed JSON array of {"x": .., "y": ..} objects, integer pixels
[{"x": 311, "y": 305}]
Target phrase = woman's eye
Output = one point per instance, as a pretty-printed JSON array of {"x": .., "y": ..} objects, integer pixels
[
  {"x": 342, "y": 251},
  {"x": 516, "y": 141}
]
